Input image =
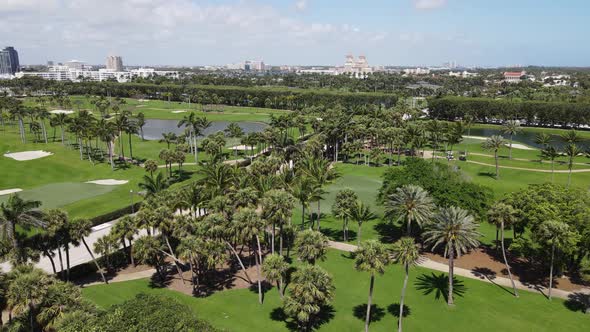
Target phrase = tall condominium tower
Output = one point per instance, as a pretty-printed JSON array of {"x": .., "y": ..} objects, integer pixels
[
  {"x": 115, "y": 63},
  {"x": 9, "y": 63}
]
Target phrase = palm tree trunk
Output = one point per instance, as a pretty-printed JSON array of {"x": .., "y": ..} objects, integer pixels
[
  {"x": 552, "y": 170},
  {"x": 130, "y": 147},
  {"x": 67, "y": 250},
  {"x": 368, "y": 317},
  {"x": 131, "y": 253},
  {"x": 358, "y": 234},
  {"x": 95, "y": 261},
  {"x": 178, "y": 269},
  {"x": 510, "y": 149},
  {"x": 319, "y": 212},
  {"x": 506, "y": 261},
  {"x": 272, "y": 239},
  {"x": 61, "y": 264},
  {"x": 451, "y": 270},
  {"x": 497, "y": 168},
  {"x": 258, "y": 258},
  {"x": 302, "y": 216},
  {"x": 62, "y": 135},
  {"x": 48, "y": 255},
  {"x": 551, "y": 271},
  {"x": 239, "y": 261},
  {"x": 569, "y": 176},
  {"x": 401, "y": 302},
  {"x": 44, "y": 130}
]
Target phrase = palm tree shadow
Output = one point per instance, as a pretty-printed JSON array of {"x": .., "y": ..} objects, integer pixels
[
  {"x": 388, "y": 231},
  {"x": 326, "y": 314},
  {"x": 394, "y": 310},
  {"x": 488, "y": 174},
  {"x": 360, "y": 312},
  {"x": 439, "y": 285},
  {"x": 485, "y": 273},
  {"x": 578, "y": 302}
]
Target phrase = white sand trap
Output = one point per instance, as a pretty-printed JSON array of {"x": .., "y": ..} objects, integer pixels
[
  {"x": 61, "y": 112},
  {"x": 142, "y": 100},
  {"x": 241, "y": 148},
  {"x": 27, "y": 155},
  {"x": 108, "y": 182},
  {"x": 520, "y": 146},
  {"x": 178, "y": 111},
  {"x": 10, "y": 191},
  {"x": 481, "y": 138}
]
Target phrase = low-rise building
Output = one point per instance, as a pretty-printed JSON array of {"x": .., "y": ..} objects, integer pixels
[{"x": 514, "y": 76}]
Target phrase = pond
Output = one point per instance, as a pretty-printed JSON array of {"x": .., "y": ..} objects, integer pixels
[
  {"x": 525, "y": 137},
  {"x": 154, "y": 128}
]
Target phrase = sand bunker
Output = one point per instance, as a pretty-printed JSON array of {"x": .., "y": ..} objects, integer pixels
[
  {"x": 241, "y": 148},
  {"x": 481, "y": 138},
  {"x": 61, "y": 112},
  {"x": 9, "y": 191},
  {"x": 27, "y": 155},
  {"x": 108, "y": 182},
  {"x": 178, "y": 111},
  {"x": 520, "y": 146}
]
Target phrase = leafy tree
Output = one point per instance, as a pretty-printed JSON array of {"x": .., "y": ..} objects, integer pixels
[
  {"x": 456, "y": 230},
  {"x": 311, "y": 291},
  {"x": 311, "y": 245},
  {"x": 274, "y": 269},
  {"x": 371, "y": 257},
  {"x": 502, "y": 215},
  {"x": 405, "y": 252}
]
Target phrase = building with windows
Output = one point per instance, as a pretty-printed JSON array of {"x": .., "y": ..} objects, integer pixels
[
  {"x": 66, "y": 73},
  {"x": 114, "y": 63},
  {"x": 514, "y": 77},
  {"x": 358, "y": 68},
  {"x": 9, "y": 63}
]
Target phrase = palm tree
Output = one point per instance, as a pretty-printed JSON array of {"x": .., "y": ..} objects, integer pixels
[
  {"x": 251, "y": 227},
  {"x": 277, "y": 209},
  {"x": 345, "y": 200},
  {"x": 571, "y": 137},
  {"x": 557, "y": 235},
  {"x": 311, "y": 290},
  {"x": 150, "y": 166},
  {"x": 495, "y": 143},
  {"x": 301, "y": 190},
  {"x": 456, "y": 229},
  {"x": 511, "y": 128},
  {"x": 105, "y": 246},
  {"x": 501, "y": 215},
  {"x": 168, "y": 138},
  {"x": 550, "y": 153},
  {"x": 322, "y": 173},
  {"x": 372, "y": 257},
  {"x": 543, "y": 139},
  {"x": 17, "y": 211},
  {"x": 125, "y": 229},
  {"x": 311, "y": 245},
  {"x": 148, "y": 250},
  {"x": 405, "y": 252},
  {"x": 140, "y": 122},
  {"x": 274, "y": 269},
  {"x": 571, "y": 151},
  {"x": 61, "y": 120},
  {"x": 27, "y": 289},
  {"x": 80, "y": 229},
  {"x": 152, "y": 185},
  {"x": 18, "y": 112},
  {"x": 361, "y": 213},
  {"x": 410, "y": 203}
]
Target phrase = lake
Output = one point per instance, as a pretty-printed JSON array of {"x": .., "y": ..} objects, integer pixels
[
  {"x": 524, "y": 137},
  {"x": 154, "y": 128}
]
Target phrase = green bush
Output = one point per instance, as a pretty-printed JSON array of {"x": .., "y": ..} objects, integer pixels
[{"x": 448, "y": 187}]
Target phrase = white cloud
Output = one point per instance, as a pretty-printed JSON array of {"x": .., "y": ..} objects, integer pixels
[
  {"x": 429, "y": 4},
  {"x": 26, "y": 5},
  {"x": 301, "y": 5}
]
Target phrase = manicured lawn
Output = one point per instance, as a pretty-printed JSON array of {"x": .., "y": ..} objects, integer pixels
[{"x": 481, "y": 306}]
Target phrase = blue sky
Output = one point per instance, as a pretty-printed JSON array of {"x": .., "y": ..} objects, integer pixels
[{"x": 394, "y": 32}]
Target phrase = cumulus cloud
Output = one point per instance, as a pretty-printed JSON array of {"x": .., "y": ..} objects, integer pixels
[
  {"x": 301, "y": 5},
  {"x": 429, "y": 4}
]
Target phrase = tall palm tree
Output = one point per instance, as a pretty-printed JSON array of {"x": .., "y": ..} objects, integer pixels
[
  {"x": 494, "y": 143},
  {"x": 27, "y": 289},
  {"x": 456, "y": 230},
  {"x": 571, "y": 151},
  {"x": 17, "y": 211},
  {"x": 321, "y": 171},
  {"x": 140, "y": 122},
  {"x": 345, "y": 200},
  {"x": 361, "y": 213},
  {"x": 372, "y": 256},
  {"x": 125, "y": 229},
  {"x": 543, "y": 139},
  {"x": 502, "y": 215},
  {"x": 251, "y": 227},
  {"x": 19, "y": 113},
  {"x": 277, "y": 209},
  {"x": 557, "y": 235},
  {"x": 405, "y": 252},
  {"x": 148, "y": 250},
  {"x": 550, "y": 153},
  {"x": 168, "y": 138},
  {"x": 274, "y": 269},
  {"x": 152, "y": 185},
  {"x": 80, "y": 229},
  {"x": 511, "y": 128},
  {"x": 301, "y": 190},
  {"x": 311, "y": 245},
  {"x": 60, "y": 120},
  {"x": 410, "y": 203}
]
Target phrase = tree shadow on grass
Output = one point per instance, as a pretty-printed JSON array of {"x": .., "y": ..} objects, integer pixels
[
  {"x": 491, "y": 175},
  {"x": 337, "y": 235},
  {"x": 394, "y": 310},
  {"x": 485, "y": 273},
  {"x": 265, "y": 287},
  {"x": 360, "y": 312},
  {"x": 439, "y": 285},
  {"x": 578, "y": 302},
  {"x": 325, "y": 315},
  {"x": 388, "y": 231}
]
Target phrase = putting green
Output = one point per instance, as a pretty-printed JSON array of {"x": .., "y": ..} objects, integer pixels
[{"x": 60, "y": 194}]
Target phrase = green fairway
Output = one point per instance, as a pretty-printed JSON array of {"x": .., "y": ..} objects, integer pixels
[
  {"x": 479, "y": 306},
  {"x": 60, "y": 194}
]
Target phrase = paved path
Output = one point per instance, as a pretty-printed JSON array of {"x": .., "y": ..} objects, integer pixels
[
  {"x": 531, "y": 169},
  {"x": 499, "y": 281}
]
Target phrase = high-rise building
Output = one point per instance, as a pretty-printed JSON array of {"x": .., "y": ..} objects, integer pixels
[
  {"x": 114, "y": 63},
  {"x": 9, "y": 63}
]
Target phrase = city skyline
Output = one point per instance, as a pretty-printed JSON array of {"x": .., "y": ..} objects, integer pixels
[{"x": 298, "y": 32}]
